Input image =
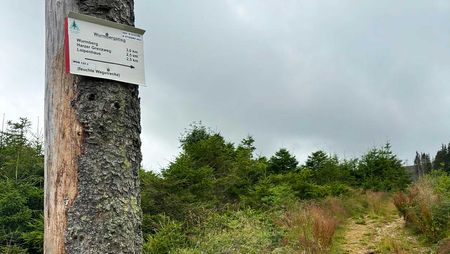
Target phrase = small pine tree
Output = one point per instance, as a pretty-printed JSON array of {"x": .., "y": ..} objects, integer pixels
[
  {"x": 282, "y": 162},
  {"x": 417, "y": 164},
  {"x": 326, "y": 168},
  {"x": 442, "y": 159},
  {"x": 425, "y": 162},
  {"x": 380, "y": 169}
]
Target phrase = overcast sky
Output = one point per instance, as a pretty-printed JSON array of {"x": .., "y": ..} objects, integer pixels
[{"x": 337, "y": 75}]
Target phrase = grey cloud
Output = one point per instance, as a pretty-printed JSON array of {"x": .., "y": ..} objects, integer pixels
[
  {"x": 337, "y": 75},
  {"x": 306, "y": 75}
]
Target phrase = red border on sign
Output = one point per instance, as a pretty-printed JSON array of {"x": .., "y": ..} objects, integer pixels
[{"x": 66, "y": 44}]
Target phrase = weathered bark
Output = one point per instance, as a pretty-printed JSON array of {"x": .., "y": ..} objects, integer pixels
[{"x": 92, "y": 150}]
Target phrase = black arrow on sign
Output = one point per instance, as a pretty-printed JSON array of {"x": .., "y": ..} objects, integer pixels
[{"x": 95, "y": 60}]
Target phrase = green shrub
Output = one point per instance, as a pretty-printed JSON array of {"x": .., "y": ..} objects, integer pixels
[
  {"x": 279, "y": 195},
  {"x": 34, "y": 238},
  {"x": 338, "y": 189},
  {"x": 441, "y": 182},
  {"x": 169, "y": 236},
  {"x": 426, "y": 207},
  {"x": 13, "y": 249},
  {"x": 441, "y": 219}
]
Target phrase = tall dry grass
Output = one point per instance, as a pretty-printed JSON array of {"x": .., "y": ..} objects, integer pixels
[
  {"x": 377, "y": 202},
  {"x": 324, "y": 226},
  {"x": 310, "y": 228},
  {"x": 336, "y": 207}
]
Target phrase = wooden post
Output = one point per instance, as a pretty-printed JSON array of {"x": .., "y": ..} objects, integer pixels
[{"x": 92, "y": 146}]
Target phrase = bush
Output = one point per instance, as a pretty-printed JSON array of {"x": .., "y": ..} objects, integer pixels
[
  {"x": 441, "y": 182},
  {"x": 281, "y": 189},
  {"x": 279, "y": 195},
  {"x": 34, "y": 238},
  {"x": 169, "y": 236},
  {"x": 13, "y": 249},
  {"x": 338, "y": 189},
  {"x": 425, "y": 207}
]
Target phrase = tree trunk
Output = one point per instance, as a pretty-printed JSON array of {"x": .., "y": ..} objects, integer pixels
[{"x": 92, "y": 149}]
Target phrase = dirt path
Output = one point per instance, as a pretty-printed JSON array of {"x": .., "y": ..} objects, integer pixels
[{"x": 380, "y": 234}]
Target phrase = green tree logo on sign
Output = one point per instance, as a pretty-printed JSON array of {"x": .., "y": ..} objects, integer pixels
[{"x": 74, "y": 26}]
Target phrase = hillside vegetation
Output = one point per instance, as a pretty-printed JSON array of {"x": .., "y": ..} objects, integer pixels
[{"x": 219, "y": 197}]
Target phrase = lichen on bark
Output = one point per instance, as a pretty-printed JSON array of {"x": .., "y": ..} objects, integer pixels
[{"x": 106, "y": 210}]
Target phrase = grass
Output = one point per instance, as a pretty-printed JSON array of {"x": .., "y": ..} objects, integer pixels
[
  {"x": 309, "y": 228},
  {"x": 338, "y": 239},
  {"x": 313, "y": 227},
  {"x": 391, "y": 245}
]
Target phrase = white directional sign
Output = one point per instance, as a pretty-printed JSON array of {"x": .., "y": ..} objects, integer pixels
[{"x": 104, "y": 49}]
